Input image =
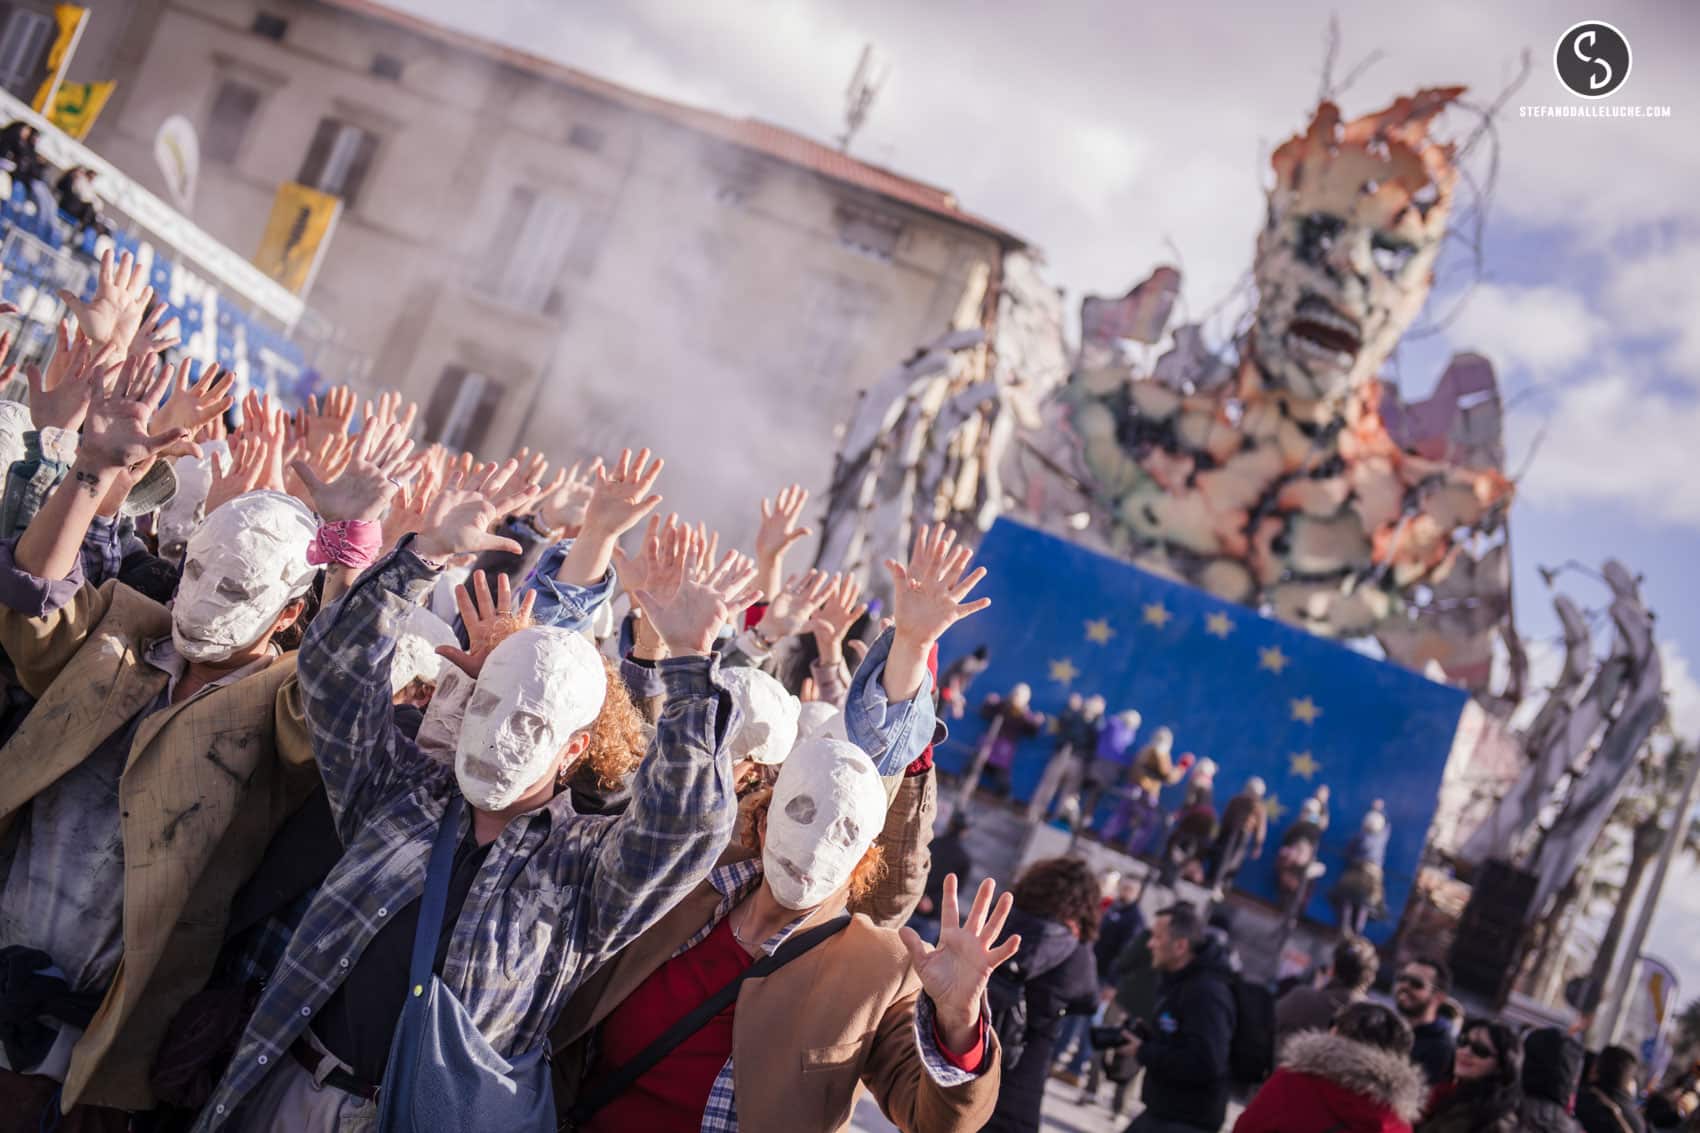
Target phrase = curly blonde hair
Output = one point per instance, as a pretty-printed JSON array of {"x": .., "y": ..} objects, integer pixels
[
  {"x": 868, "y": 872},
  {"x": 617, "y": 740}
]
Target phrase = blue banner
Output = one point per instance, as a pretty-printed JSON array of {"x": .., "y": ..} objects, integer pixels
[{"x": 1259, "y": 697}]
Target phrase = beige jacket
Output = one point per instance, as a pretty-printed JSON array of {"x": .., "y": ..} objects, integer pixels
[
  {"x": 803, "y": 1037},
  {"x": 206, "y": 785}
]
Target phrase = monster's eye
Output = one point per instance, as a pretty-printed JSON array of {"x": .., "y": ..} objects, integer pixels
[
  {"x": 1317, "y": 233},
  {"x": 1391, "y": 255}
]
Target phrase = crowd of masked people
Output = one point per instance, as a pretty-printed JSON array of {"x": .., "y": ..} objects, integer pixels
[
  {"x": 1163, "y": 1010},
  {"x": 350, "y": 783}
]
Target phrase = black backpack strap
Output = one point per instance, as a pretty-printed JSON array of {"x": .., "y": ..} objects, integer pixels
[{"x": 615, "y": 1083}]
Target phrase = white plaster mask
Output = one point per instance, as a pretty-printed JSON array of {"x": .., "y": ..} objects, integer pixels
[
  {"x": 14, "y": 423},
  {"x": 828, "y": 807},
  {"x": 536, "y": 690},
  {"x": 767, "y": 716},
  {"x": 416, "y": 648},
  {"x": 439, "y": 731},
  {"x": 177, "y": 519},
  {"x": 244, "y": 564},
  {"x": 818, "y": 718}
]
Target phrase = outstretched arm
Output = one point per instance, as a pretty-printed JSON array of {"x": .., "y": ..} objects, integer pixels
[{"x": 683, "y": 802}]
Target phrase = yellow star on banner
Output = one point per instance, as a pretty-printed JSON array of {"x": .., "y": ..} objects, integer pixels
[
  {"x": 1273, "y": 659},
  {"x": 1274, "y": 808},
  {"x": 1098, "y": 632},
  {"x": 1156, "y": 614},
  {"x": 1304, "y": 765},
  {"x": 1063, "y": 671},
  {"x": 1219, "y": 625},
  {"x": 1305, "y": 709}
]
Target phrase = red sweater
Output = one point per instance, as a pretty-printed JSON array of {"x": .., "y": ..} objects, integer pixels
[{"x": 671, "y": 1097}]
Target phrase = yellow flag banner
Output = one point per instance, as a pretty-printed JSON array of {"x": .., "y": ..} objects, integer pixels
[
  {"x": 297, "y": 235},
  {"x": 77, "y": 105},
  {"x": 70, "y": 18}
]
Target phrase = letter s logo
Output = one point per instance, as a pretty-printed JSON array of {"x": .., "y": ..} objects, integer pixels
[
  {"x": 1592, "y": 59},
  {"x": 1595, "y": 79}
]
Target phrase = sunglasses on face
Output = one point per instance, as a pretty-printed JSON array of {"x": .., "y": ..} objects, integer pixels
[
  {"x": 1415, "y": 982},
  {"x": 1481, "y": 1049}
]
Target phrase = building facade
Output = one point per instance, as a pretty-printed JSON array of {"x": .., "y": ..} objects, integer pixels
[{"x": 544, "y": 258}]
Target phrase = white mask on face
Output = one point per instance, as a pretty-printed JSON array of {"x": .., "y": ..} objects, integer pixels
[
  {"x": 535, "y": 691},
  {"x": 439, "y": 731},
  {"x": 416, "y": 648},
  {"x": 828, "y": 807},
  {"x": 181, "y": 513},
  {"x": 14, "y": 423},
  {"x": 244, "y": 564},
  {"x": 767, "y": 716},
  {"x": 818, "y": 718}
]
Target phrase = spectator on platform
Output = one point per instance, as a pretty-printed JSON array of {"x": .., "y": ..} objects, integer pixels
[
  {"x": 1552, "y": 1070},
  {"x": 1418, "y": 992},
  {"x": 1354, "y": 1077},
  {"x": 1314, "y": 1008},
  {"x": 1245, "y": 826},
  {"x": 18, "y": 157},
  {"x": 1486, "y": 1088},
  {"x": 78, "y": 201},
  {"x": 1056, "y": 915},
  {"x": 1607, "y": 1104},
  {"x": 1011, "y": 720}
]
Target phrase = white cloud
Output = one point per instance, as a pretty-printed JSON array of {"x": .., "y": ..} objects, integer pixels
[
  {"x": 1658, "y": 295},
  {"x": 1682, "y": 690},
  {"x": 1612, "y": 440},
  {"x": 1542, "y": 327}
]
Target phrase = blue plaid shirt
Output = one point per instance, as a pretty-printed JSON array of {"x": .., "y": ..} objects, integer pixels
[
  {"x": 737, "y": 880},
  {"x": 557, "y": 896}
]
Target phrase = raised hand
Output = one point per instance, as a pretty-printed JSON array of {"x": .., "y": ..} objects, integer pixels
[
  {"x": 156, "y": 332},
  {"x": 366, "y": 486},
  {"x": 688, "y": 598},
  {"x": 928, "y": 593},
  {"x": 488, "y": 619},
  {"x": 796, "y": 604},
  {"x": 59, "y": 399},
  {"x": 563, "y": 510},
  {"x": 241, "y": 472},
  {"x": 621, "y": 497},
  {"x": 410, "y": 505},
  {"x": 460, "y": 517},
  {"x": 266, "y": 421},
  {"x": 778, "y": 533},
  {"x": 120, "y": 301},
  {"x": 328, "y": 422},
  {"x": 833, "y": 620},
  {"x": 116, "y": 434},
  {"x": 954, "y": 972},
  {"x": 195, "y": 405}
]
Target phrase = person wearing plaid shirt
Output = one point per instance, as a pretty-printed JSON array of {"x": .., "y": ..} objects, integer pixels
[
  {"x": 556, "y": 893},
  {"x": 866, "y": 1005}
]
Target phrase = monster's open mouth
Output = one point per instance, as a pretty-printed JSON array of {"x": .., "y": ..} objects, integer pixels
[{"x": 1319, "y": 329}]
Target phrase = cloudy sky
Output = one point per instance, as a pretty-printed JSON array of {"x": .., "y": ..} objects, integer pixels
[{"x": 1117, "y": 136}]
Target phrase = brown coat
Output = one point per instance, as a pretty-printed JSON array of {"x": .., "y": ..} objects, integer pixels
[
  {"x": 803, "y": 1037},
  {"x": 199, "y": 799}
]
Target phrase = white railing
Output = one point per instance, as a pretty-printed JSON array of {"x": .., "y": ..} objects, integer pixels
[{"x": 159, "y": 220}]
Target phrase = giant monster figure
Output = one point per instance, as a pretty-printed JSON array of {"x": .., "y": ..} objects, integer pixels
[{"x": 1275, "y": 479}]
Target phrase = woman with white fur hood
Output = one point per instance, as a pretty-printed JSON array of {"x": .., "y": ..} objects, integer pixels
[
  {"x": 1355, "y": 1077},
  {"x": 671, "y": 1035}
]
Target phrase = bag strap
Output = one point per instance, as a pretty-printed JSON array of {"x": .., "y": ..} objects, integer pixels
[
  {"x": 620, "y": 1079},
  {"x": 435, "y": 899}
]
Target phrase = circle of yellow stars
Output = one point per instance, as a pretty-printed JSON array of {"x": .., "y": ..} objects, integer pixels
[{"x": 1270, "y": 659}]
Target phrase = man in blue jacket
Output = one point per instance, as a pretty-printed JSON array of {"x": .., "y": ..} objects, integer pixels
[{"x": 1184, "y": 1049}]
